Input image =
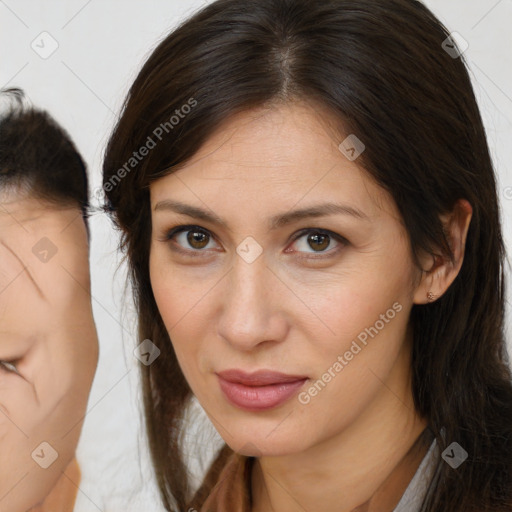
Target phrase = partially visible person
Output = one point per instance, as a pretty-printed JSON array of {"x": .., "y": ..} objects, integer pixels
[{"x": 48, "y": 339}]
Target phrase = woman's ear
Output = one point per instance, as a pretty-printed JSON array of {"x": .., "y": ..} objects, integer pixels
[{"x": 442, "y": 272}]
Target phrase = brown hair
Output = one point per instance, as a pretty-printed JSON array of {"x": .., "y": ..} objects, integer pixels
[{"x": 380, "y": 67}]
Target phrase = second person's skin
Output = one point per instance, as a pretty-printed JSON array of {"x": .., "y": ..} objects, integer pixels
[{"x": 48, "y": 346}]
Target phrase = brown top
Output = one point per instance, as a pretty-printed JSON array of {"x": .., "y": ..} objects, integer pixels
[
  {"x": 62, "y": 497},
  {"x": 231, "y": 472}
]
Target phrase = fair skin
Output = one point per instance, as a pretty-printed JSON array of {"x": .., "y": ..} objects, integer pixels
[
  {"x": 293, "y": 315},
  {"x": 47, "y": 331}
]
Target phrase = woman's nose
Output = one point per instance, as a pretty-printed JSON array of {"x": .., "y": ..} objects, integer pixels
[{"x": 253, "y": 305}]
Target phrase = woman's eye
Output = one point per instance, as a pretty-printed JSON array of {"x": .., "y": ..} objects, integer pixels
[
  {"x": 318, "y": 241},
  {"x": 190, "y": 239},
  {"x": 194, "y": 240}
]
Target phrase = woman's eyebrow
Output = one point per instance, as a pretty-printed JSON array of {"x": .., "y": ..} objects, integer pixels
[
  {"x": 39, "y": 291},
  {"x": 274, "y": 222}
]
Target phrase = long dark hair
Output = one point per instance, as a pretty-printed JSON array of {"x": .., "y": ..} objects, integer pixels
[{"x": 381, "y": 67}]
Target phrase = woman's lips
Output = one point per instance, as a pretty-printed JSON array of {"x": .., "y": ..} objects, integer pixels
[{"x": 260, "y": 390}]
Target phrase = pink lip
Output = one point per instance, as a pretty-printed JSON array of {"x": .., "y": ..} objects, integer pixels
[{"x": 260, "y": 390}]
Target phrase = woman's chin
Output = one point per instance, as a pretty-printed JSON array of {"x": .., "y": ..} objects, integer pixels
[{"x": 260, "y": 446}]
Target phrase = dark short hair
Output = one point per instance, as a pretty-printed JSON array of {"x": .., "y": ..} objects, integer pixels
[{"x": 37, "y": 156}]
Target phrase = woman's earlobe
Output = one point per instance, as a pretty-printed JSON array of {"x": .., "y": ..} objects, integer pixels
[
  {"x": 444, "y": 270},
  {"x": 432, "y": 285}
]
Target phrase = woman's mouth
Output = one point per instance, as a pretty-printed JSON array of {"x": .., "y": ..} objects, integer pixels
[{"x": 260, "y": 390}]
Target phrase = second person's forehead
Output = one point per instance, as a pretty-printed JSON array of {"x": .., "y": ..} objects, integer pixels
[
  {"x": 39, "y": 249},
  {"x": 17, "y": 279}
]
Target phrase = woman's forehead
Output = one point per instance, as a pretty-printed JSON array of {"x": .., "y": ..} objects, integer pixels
[{"x": 272, "y": 137}]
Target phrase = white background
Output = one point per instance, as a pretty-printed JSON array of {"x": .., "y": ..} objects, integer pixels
[{"x": 101, "y": 46}]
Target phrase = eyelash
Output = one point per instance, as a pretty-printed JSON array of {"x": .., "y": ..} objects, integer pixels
[{"x": 199, "y": 252}]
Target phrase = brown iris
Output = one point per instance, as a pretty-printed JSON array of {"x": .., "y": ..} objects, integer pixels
[
  {"x": 320, "y": 239},
  {"x": 197, "y": 237}
]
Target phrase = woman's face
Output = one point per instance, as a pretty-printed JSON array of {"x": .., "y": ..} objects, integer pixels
[
  {"x": 47, "y": 330},
  {"x": 323, "y": 298}
]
